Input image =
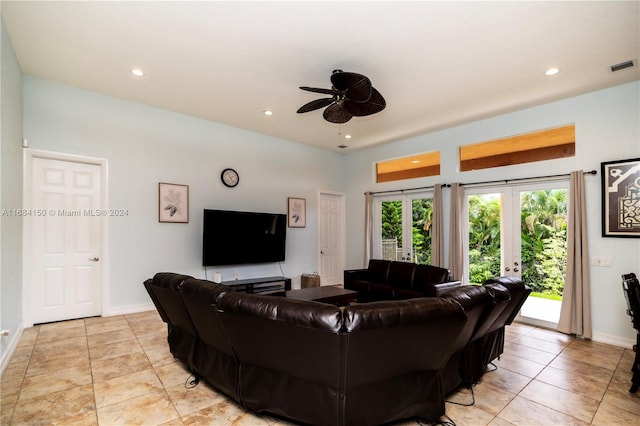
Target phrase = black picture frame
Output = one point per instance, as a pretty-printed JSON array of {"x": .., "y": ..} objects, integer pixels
[{"x": 621, "y": 198}]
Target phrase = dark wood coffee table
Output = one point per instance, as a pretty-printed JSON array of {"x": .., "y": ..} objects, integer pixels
[{"x": 329, "y": 294}]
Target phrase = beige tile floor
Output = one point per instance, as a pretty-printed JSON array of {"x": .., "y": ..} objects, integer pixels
[{"x": 118, "y": 371}]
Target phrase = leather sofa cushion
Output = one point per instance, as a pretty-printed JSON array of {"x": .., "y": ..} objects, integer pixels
[
  {"x": 476, "y": 301},
  {"x": 297, "y": 312},
  {"x": 430, "y": 274},
  {"x": 519, "y": 292},
  {"x": 165, "y": 287},
  {"x": 401, "y": 274},
  {"x": 501, "y": 298},
  {"x": 379, "y": 270},
  {"x": 359, "y": 285},
  {"x": 406, "y": 293},
  {"x": 394, "y": 313},
  {"x": 381, "y": 291},
  {"x": 200, "y": 297}
]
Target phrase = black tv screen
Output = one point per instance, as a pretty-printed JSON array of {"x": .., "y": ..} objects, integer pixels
[{"x": 233, "y": 238}]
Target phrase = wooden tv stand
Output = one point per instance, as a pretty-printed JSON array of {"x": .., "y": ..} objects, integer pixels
[{"x": 262, "y": 285}]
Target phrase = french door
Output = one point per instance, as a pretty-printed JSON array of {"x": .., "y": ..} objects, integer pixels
[
  {"x": 520, "y": 231},
  {"x": 402, "y": 225}
]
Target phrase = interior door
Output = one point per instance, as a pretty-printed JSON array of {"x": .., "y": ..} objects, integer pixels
[
  {"x": 65, "y": 240},
  {"x": 331, "y": 238}
]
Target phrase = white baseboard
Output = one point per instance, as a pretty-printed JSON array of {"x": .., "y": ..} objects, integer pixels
[
  {"x": 613, "y": 340},
  {"x": 10, "y": 349},
  {"x": 129, "y": 309}
]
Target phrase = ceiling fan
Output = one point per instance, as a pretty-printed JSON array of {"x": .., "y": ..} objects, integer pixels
[{"x": 352, "y": 95}]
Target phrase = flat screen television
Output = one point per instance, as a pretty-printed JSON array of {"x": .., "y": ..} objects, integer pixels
[{"x": 234, "y": 238}]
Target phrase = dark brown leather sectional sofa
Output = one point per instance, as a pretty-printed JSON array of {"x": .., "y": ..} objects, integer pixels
[
  {"x": 392, "y": 280},
  {"x": 314, "y": 363}
]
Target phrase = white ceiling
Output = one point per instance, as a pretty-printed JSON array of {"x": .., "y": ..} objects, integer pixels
[{"x": 437, "y": 64}]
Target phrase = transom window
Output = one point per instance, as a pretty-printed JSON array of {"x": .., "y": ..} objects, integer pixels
[
  {"x": 537, "y": 146},
  {"x": 414, "y": 166}
]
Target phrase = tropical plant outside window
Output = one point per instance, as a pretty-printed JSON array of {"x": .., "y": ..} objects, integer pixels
[
  {"x": 543, "y": 234},
  {"x": 421, "y": 227}
]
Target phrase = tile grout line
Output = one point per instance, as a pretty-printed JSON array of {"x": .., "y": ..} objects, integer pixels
[{"x": 156, "y": 373}]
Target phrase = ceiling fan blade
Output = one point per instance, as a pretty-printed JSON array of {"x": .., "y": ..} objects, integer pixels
[
  {"x": 319, "y": 90},
  {"x": 359, "y": 109},
  {"x": 336, "y": 114},
  {"x": 314, "y": 105},
  {"x": 357, "y": 87}
]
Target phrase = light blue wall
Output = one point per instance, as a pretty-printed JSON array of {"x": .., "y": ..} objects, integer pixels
[
  {"x": 10, "y": 194},
  {"x": 607, "y": 128},
  {"x": 144, "y": 146}
]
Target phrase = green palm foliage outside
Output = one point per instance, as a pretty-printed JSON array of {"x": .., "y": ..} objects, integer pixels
[
  {"x": 484, "y": 238},
  {"x": 422, "y": 216},
  {"x": 392, "y": 221},
  {"x": 543, "y": 239}
]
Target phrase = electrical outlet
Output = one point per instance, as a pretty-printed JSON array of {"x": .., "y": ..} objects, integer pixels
[{"x": 602, "y": 261}]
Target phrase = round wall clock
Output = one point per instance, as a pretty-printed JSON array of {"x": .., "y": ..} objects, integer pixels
[{"x": 230, "y": 177}]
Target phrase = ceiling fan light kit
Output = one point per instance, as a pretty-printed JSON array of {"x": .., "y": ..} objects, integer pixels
[{"x": 352, "y": 95}]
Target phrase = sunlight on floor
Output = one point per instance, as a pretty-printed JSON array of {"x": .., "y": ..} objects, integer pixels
[{"x": 541, "y": 309}]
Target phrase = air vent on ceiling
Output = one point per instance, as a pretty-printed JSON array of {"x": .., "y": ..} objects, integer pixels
[{"x": 623, "y": 65}]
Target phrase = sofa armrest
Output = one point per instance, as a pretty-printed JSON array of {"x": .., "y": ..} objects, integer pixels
[
  {"x": 430, "y": 289},
  {"x": 442, "y": 287},
  {"x": 355, "y": 274}
]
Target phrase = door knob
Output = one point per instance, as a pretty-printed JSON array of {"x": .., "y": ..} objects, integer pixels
[
  {"x": 94, "y": 259},
  {"x": 507, "y": 269},
  {"x": 515, "y": 269}
]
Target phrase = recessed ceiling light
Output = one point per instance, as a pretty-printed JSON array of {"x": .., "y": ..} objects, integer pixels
[
  {"x": 137, "y": 72},
  {"x": 552, "y": 71},
  {"x": 267, "y": 112},
  {"x": 347, "y": 136}
]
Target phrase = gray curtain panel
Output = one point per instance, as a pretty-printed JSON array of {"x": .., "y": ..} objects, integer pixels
[
  {"x": 456, "y": 261},
  {"x": 437, "y": 232},
  {"x": 575, "y": 314},
  {"x": 368, "y": 227}
]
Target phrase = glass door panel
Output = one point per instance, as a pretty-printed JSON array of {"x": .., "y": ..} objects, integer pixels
[
  {"x": 421, "y": 227},
  {"x": 521, "y": 232},
  {"x": 485, "y": 245},
  {"x": 543, "y": 251},
  {"x": 403, "y": 230},
  {"x": 391, "y": 229}
]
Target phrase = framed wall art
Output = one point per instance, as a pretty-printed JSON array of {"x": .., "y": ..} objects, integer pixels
[
  {"x": 297, "y": 213},
  {"x": 621, "y": 198},
  {"x": 173, "y": 203}
]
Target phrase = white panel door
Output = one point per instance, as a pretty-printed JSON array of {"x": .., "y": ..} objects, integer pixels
[
  {"x": 331, "y": 239},
  {"x": 65, "y": 240}
]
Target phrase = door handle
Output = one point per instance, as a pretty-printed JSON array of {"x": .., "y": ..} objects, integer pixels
[
  {"x": 507, "y": 269},
  {"x": 94, "y": 259},
  {"x": 515, "y": 269}
]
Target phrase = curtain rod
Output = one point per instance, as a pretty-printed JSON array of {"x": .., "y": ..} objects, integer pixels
[
  {"x": 505, "y": 181},
  {"x": 444, "y": 185}
]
